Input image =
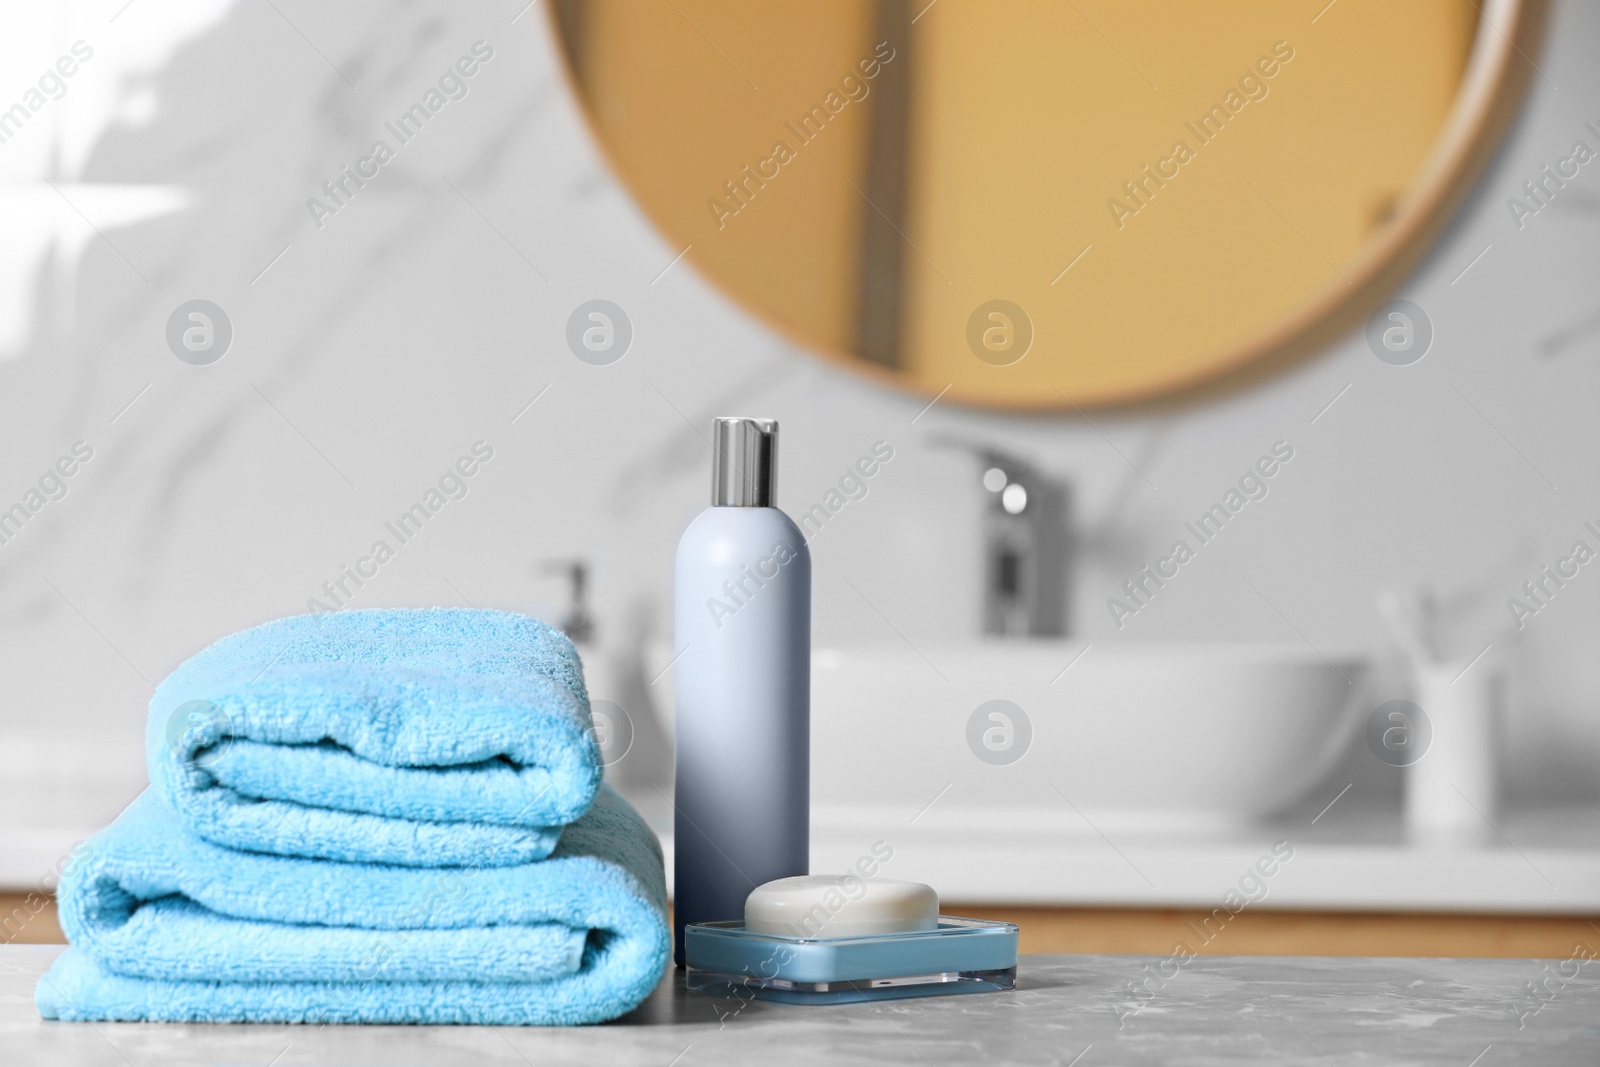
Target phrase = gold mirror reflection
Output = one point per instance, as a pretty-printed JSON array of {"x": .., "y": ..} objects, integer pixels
[{"x": 1041, "y": 203}]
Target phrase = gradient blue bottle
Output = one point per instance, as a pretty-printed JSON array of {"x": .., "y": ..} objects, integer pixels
[{"x": 742, "y": 621}]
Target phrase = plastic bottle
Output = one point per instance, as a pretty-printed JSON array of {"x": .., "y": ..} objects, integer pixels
[{"x": 742, "y": 622}]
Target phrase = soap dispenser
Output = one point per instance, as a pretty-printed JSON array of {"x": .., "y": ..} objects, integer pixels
[
  {"x": 742, "y": 620},
  {"x": 610, "y": 676}
]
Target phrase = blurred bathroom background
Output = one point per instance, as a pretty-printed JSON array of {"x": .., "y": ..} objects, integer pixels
[{"x": 372, "y": 346}]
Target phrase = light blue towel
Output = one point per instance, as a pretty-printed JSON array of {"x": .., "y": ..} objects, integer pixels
[
  {"x": 421, "y": 737},
  {"x": 167, "y": 927}
]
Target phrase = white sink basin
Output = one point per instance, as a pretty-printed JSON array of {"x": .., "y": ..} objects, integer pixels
[{"x": 1148, "y": 737}]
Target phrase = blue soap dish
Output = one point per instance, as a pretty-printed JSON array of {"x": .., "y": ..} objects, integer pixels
[{"x": 958, "y": 956}]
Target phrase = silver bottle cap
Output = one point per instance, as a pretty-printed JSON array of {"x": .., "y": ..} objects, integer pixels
[{"x": 744, "y": 467}]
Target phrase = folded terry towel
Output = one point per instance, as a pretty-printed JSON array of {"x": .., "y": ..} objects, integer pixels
[
  {"x": 420, "y": 737},
  {"x": 167, "y": 927}
]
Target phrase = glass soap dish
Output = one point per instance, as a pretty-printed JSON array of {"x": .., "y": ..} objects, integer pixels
[{"x": 958, "y": 956}]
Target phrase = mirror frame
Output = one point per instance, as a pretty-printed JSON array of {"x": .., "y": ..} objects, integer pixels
[{"x": 1493, "y": 87}]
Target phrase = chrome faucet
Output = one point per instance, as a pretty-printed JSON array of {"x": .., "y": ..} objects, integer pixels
[{"x": 1028, "y": 545}]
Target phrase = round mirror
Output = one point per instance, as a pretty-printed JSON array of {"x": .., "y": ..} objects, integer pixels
[{"x": 1049, "y": 203}]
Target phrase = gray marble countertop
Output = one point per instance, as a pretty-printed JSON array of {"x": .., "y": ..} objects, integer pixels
[{"x": 1069, "y": 1010}]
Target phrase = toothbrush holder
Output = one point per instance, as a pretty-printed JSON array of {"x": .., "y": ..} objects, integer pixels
[{"x": 1453, "y": 790}]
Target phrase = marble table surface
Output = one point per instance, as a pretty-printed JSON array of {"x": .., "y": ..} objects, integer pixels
[{"x": 1068, "y": 1010}]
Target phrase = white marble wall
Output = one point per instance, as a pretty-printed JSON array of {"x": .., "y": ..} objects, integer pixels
[{"x": 370, "y": 352}]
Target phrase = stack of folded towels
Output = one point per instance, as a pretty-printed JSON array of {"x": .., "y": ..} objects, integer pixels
[{"x": 368, "y": 816}]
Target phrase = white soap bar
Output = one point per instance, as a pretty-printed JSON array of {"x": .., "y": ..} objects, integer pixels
[{"x": 840, "y": 905}]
